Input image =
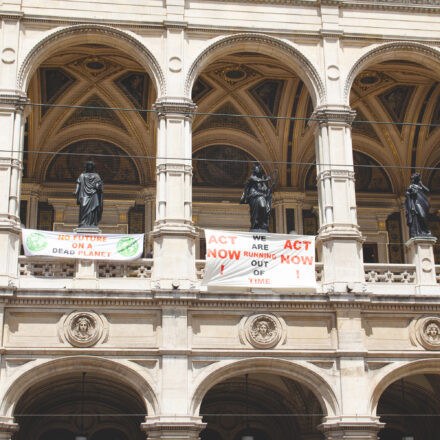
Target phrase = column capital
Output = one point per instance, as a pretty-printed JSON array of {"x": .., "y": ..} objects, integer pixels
[
  {"x": 7, "y": 427},
  {"x": 173, "y": 427},
  {"x": 327, "y": 115},
  {"x": 351, "y": 427},
  {"x": 182, "y": 107},
  {"x": 14, "y": 101}
]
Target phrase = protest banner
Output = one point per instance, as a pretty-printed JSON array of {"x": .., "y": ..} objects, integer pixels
[
  {"x": 259, "y": 260},
  {"x": 83, "y": 246}
]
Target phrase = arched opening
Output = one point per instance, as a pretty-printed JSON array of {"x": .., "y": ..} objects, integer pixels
[
  {"x": 261, "y": 405},
  {"x": 245, "y": 91},
  {"x": 410, "y": 407},
  {"x": 91, "y": 88},
  {"x": 399, "y": 87},
  {"x": 96, "y": 405}
]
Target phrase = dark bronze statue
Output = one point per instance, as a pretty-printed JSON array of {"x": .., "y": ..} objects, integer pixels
[
  {"x": 417, "y": 208},
  {"x": 258, "y": 194},
  {"x": 88, "y": 194}
]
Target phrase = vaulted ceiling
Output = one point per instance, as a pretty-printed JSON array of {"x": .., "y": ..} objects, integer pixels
[{"x": 96, "y": 79}]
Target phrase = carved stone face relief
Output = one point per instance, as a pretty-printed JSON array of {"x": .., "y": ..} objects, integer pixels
[
  {"x": 428, "y": 332},
  {"x": 83, "y": 329},
  {"x": 263, "y": 331}
]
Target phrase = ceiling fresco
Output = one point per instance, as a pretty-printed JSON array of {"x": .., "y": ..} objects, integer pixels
[
  {"x": 268, "y": 94},
  {"x": 112, "y": 163},
  {"x": 135, "y": 86},
  {"x": 90, "y": 115},
  {"x": 53, "y": 82},
  {"x": 221, "y": 166},
  {"x": 101, "y": 77}
]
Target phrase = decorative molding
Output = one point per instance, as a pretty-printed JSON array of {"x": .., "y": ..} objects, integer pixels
[
  {"x": 29, "y": 63},
  {"x": 308, "y": 68}
]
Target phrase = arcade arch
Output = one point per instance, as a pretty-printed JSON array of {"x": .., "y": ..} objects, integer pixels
[
  {"x": 407, "y": 400},
  {"x": 82, "y": 75},
  {"x": 263, "y": 403},
  {"x": 397, "y": 84},
  {"x": 302, "y": 374},
  {"x": 47, "y": 400},
  {"x": 265, "y": 78}
]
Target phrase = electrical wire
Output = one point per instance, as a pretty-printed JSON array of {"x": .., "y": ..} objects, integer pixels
[
  {"x": 216, "y": 415},
  {"x": 290, "y": 118},
  {"x": 202, "y": 159}
]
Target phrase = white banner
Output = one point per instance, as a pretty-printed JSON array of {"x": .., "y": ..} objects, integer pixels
[
  {"x": 252, "y": 259},
  {"x": 84, "y": 246}
]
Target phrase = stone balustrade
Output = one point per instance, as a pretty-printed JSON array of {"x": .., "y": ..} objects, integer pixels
[{"x": 126, "y": 275}]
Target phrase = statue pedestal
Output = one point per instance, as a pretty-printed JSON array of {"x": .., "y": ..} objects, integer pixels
[
  {"x": 88, "y": 230},
  {"x": 422, "y": 256}
]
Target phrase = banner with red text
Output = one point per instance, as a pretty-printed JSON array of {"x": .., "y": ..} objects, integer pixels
[
  {"x": 85, "y": 246},
  {"x": 259, "y": 260}
]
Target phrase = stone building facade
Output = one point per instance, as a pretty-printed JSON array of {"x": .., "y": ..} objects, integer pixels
[{"x": 163, "y": 94}]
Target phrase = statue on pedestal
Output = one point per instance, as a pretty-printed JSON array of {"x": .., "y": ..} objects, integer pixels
[
  {"x": 417, "y": 208},
  {"x": 88, "y": 194},
  {"x": 258, "y": 194}
]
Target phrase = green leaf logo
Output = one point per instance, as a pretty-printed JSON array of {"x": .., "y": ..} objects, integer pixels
[
  {"x": 36, "y": 242},
  {"x": 127, "y": 246}
]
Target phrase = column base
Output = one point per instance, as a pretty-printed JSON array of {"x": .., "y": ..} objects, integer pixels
[
  {"x": 173, "y": 427},
  {"x": 10, "y": 245},
  {"x": 174, "y": 265},
  {"x": 342, "y": 258},
  {"x": 351, "y": 428},
  {"x": 87, "y": 230},
  {"x": 422, "y": 256}
]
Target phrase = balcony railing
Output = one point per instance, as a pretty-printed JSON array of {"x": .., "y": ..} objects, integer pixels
[
  {"x": 390, "y": 273},
  {"x": 49, "y": 268}
]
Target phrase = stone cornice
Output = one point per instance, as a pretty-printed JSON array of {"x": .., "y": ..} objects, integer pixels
[{"x": 311, "y": 302}]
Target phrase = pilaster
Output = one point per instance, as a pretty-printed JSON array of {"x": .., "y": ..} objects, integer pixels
[
  {"x": 174, "y": 233},
  {"x": 339, "y": 232}
]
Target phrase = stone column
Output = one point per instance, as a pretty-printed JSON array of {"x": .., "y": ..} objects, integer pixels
[
  {"x": 174, "y": 233},
  {"x": 32, "y": 211},
  {"x": 173, "y": 428},
  {"x": 12, "y": 119},
  {"x": 421, "y": 251},
  {"x": 351, "y": 428},
  {"x": 339, "y": 232}
]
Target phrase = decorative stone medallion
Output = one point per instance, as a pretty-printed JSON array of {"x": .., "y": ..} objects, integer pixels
[
  {"x": 428, "y": 332},
  {"x": 263, "y": 331},
  {"x": 83, "y": 329}
]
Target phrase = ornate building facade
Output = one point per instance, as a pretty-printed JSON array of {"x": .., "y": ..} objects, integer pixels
[{"x": 174, "y": 100}]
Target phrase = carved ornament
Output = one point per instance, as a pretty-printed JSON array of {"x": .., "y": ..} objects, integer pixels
[
  {"x": 84, "y": 329},
  {"x": 263, "y": 330},
  {"x": 427, "y": 332}
]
